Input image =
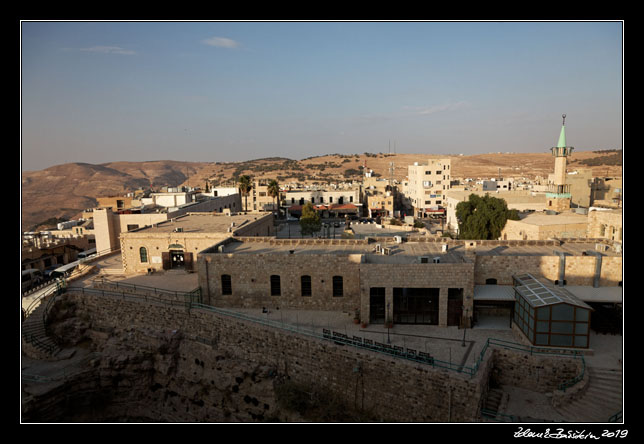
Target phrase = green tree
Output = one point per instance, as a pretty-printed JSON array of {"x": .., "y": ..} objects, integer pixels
[
  {"x": 310, "y": 221},
  {"x": 483, "y": 217},
  {"x": 273, "y": 190},
  {"x": 245, "y": 184}
]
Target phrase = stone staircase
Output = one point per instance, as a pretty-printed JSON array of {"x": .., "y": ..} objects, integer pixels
[
  {"x": 601, "y": 400},
  {"x": 35, "y": 340},
  {"x": 494, "y": 405}
]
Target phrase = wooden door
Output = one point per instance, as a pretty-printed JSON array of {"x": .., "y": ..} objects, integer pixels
[{"x": 165, "y": 258}]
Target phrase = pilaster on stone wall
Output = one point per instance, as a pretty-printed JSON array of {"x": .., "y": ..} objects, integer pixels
[{"x": 389, "y": 304}]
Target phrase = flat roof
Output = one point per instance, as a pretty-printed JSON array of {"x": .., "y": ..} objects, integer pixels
[
  {"x": 542, "y": 219},
  {"x": 406, "y": 252},
  {"x": 494, "y": 293},
  {"x": 410, "y": 248},
  {"x": 612, "y": 295},
  {"x": 203, "y": 223}
]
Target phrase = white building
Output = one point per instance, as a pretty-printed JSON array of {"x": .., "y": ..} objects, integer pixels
[{"x": 426, "y": 185}]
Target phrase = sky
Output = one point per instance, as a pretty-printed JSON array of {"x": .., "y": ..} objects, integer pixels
[{"x": 99, "y": 92}]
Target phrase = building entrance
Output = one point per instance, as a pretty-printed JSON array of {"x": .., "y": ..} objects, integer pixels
[
  {"x": 377, "y": 305},
  {"x": 454, "y": 306},
  {"x": 416, "y": 305},
  {"x": 176, "y": 259}
]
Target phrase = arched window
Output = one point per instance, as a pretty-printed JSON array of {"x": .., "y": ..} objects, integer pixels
[{"x": 143, "y": 253}]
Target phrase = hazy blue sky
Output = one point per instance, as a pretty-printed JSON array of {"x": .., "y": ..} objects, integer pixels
[{"x": 224, "y": 91}]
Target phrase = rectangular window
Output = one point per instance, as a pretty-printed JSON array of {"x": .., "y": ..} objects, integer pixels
[
  {"x": 226, "y": 285},
  {"x": 306, "y": 285},
  {"x": 337, "y": 286},
  {"x": 275, "y": 285}
]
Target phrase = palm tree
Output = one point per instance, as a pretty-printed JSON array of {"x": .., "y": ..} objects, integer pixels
[
  {"x": 274, "y": 191},
  {"x": 245, "y": 185}
]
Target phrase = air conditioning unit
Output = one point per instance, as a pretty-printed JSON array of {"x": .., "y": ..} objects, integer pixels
[
  {"x": 601, "y": 247},
  {"x": 436, "y": 260},
  {"x": 221, "y": 248},
  {"x": 378, "y": 248},
  {"x": 398, "y": 239},
  {"x": 444, "y": 247}
]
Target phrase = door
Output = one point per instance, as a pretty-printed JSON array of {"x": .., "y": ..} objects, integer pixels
[
  {"x": 165, "y": 259},
  {"x": 454, "y": 306},
  {"x": 188, "y": 260},
  {"x": 177, "y": 259},
  {"x": 416, "y": 305},
  {"x": 377, "y": 305}
]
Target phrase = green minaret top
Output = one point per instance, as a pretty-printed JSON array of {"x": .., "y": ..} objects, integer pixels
[{"x": 562, "y": 136}]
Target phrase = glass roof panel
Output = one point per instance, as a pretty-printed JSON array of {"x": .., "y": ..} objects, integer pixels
[{"x": 540, "y": 292}]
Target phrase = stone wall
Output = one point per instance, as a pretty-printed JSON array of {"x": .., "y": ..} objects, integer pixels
[
  {"x": 605, "y": 224},
  {"x": 251, "y": 280},
  {"x": 393, "y": 389},
  {"x": 442, "y": 276},
  {"x": 158, "y": 363},
  {"x": 579, "y": 270},
  {"x": 537, "y": 373},
  {"x": 503, "y": 267}
]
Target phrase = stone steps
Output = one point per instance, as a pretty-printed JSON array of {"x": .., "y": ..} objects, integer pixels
[
  {"x": 34, "y": 332},
  {"x": 601, "y": 400}
]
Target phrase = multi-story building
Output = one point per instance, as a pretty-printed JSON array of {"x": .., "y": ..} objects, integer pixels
[
  {"x": 426, "y": 185},
  {"x": 380, "y": 197},
  {"x": 108, "y": 224},
  {"x": 261, "y": 198},
  {"x": 321, "y": 196}
]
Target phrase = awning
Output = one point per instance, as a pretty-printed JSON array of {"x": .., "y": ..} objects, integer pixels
[
  {"x": 494, "y": 293},
  {"x": 611, "y": 295}
]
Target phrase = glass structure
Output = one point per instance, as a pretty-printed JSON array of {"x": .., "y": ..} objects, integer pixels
[{"x": 549, "y": 315}]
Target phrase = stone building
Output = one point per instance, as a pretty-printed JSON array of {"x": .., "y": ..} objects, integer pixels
[
  {"x": 605, "y": 224},
  {"x": 413, "y": 281},
  {"x": 542, "y": 226},
  {"x": 175, "y": 243},
  {"x": 109, "y": 224},
  {"x": 519, "y": 200}
]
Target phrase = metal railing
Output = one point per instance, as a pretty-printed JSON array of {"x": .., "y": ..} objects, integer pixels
[
  {"x": 193, "y": 300},
  {"x": 617, "y": 417}
]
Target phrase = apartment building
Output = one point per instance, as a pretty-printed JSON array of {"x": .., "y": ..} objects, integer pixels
[{"x": 426, "y": 186}]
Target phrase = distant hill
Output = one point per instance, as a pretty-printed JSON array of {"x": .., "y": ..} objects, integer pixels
[{"x": 63, "y": 191}]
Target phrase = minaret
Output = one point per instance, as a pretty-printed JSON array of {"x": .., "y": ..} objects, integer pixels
[{"x": 558, "y": 194}]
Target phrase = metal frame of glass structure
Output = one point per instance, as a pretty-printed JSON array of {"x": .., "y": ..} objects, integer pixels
[{"x": 550, "y": 316}]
